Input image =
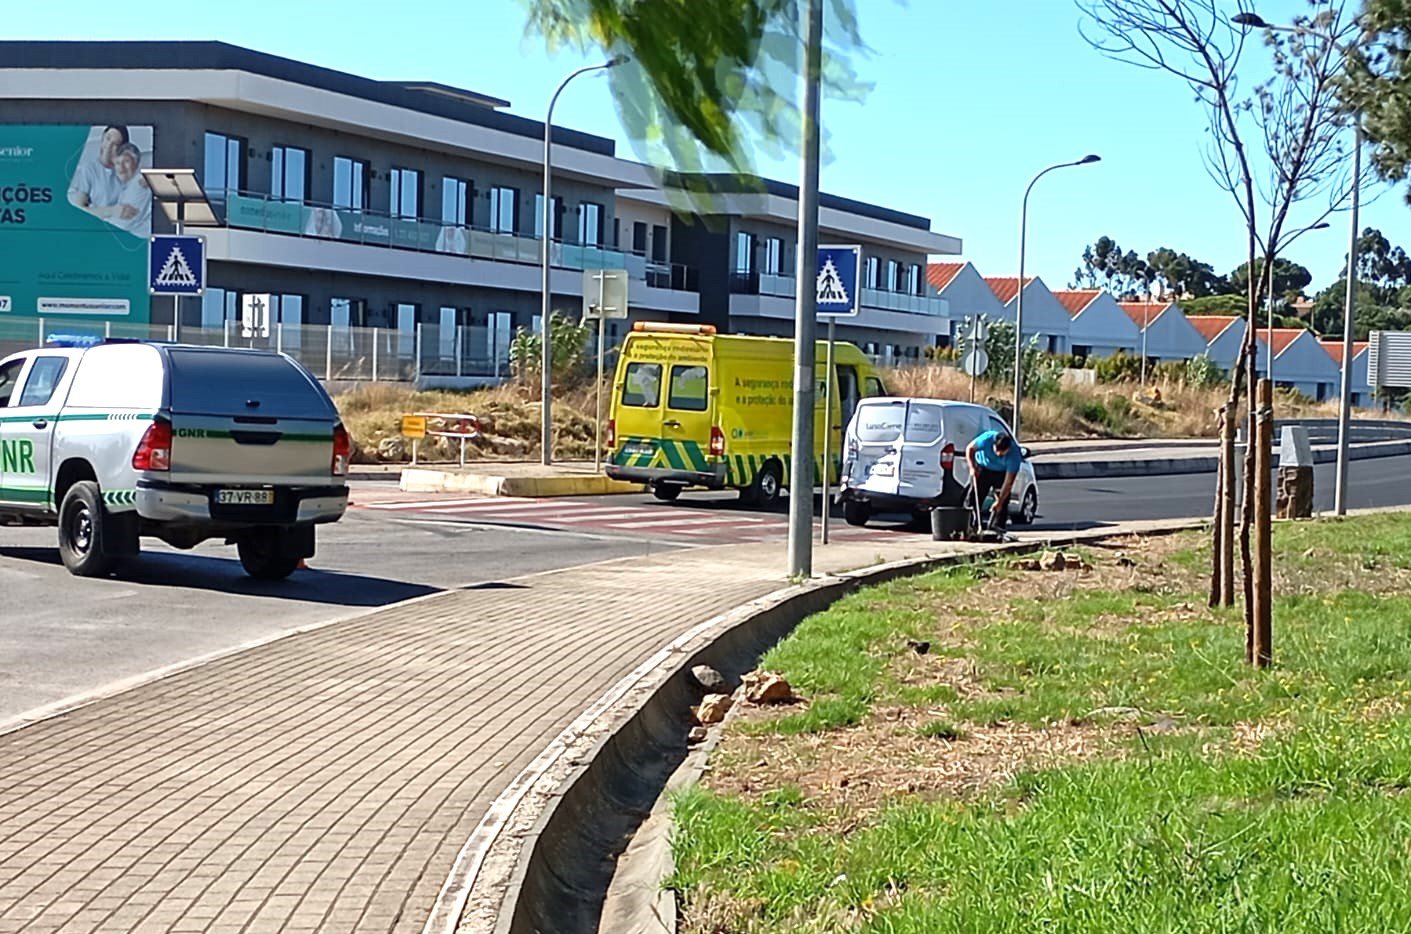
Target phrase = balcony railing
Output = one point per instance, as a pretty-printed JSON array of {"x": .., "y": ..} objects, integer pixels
[
  {"x": 783, "y": 287},
  {"x": 252, "y": 211}
]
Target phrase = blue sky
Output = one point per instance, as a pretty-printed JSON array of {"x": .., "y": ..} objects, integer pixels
[{"x": 970, "y": 100}]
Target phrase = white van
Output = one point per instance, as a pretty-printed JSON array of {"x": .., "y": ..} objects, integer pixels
[{"x": 908, "y": 455}]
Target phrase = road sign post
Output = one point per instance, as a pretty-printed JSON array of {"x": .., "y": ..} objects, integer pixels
[
  {"x": 604, "y": 296},
  {"x": 254, "y": 315},
  {"x": 975, "y": 361},
  {"x": 176, "y": 266},
  {"x": 837, "y": 297}
]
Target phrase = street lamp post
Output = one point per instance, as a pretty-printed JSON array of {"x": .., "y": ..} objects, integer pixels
[
  {"x": 1019, "y": 299},
  {"x": 546, "y": 345},
  {"x": 1255, "y": 21}
]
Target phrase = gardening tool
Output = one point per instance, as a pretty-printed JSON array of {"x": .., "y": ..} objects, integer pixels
[{"x": 984, "y": 532}]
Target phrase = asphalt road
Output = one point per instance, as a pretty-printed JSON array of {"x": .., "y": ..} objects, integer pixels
[{"x": 61, "y": 635}]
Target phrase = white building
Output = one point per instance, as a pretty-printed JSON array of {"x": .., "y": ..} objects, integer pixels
[
  {"x": 1164, "y": 332},
  {"x": 1361, "y": 375},
  {"x": 1044, "y": 316},
  {"x": 966, "y": 293},
  {"x": 1100, "y": 327}
]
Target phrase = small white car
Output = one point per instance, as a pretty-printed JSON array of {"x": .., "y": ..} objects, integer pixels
[
  {"x": 122, "y": 439},
  {"x": 908, "y": 455}
]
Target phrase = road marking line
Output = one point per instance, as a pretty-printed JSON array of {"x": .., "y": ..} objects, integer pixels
[
  {"x": 650, "y": 523},
  {"x": 421, "y": 504}
]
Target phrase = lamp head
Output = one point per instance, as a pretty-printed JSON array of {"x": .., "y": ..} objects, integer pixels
[
  {"x": 618, "y": 60},
  {"x": 1089, "y": 159}
]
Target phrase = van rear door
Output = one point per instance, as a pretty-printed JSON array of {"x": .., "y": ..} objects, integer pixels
[
  {"x": 247, "y": 419},
  {"x": 876, "y": 433},
  {"x": 921, "y": 450}
]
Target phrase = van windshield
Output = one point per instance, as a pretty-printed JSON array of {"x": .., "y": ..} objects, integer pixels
[
  {"x": 880, "y": 421},
  {"x": 207, "y": 382}
]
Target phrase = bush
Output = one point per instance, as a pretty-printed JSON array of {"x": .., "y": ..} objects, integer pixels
[
  {"x": 569, "y": 339},
  {"x": 1121, "y": 367},
  {"x": 1202, "y": 373}
]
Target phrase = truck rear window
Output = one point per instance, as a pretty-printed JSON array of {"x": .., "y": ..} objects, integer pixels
[
  {"x": 214, "y": 382},
  {"x": 688, "y": 389},
  {"x": 641, "y": 387}
]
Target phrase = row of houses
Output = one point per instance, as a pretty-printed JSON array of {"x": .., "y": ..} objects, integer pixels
[{"x": 1090, "y": 323}]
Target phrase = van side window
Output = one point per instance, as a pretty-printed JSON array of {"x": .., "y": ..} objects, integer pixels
[
  {"x": 43, "y": 378},
  {"x": 688, "y": 389},
  {"x": 872, "y": 386},
  {"x": 9, "y": 375},
  {"x": 641, "y": 387},
  {"x": 923, "y": 423},
  {"x": 999, "y": 426}
]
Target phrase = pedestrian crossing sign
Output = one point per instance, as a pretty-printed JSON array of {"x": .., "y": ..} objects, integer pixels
[
  {"x": 837, "y": 293},
  {"x": 176, "y": 265}
]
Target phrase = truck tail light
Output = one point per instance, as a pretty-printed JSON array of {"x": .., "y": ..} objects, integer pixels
[
  {"x": 154, "y": 450},
  {"x": 717, "y": 442},
  {"x": 948, "y": 457},
  {"x": 610, "y": 437},
  {"x": 342, "y": 451}
]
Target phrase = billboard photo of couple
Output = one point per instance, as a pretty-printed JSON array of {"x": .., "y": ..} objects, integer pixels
[{"x": 107, "y": 181}]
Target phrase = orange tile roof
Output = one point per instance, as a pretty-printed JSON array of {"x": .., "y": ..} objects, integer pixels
[
  {"x": 1334, "y": 349},
  {"x": 1143, "y": 313},
  {"x": 1075, "y": 300},
  {"x": 1005, "y": 287},
  {"x": 1212, "y": 326},
  {"x": 941, "y": 274},
  {"x": 1282, "y": 337}
]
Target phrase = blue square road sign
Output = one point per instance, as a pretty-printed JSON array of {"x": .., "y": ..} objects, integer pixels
[
  {"x": 176, "y": 265},
  {"x": 836, "y": 280}
]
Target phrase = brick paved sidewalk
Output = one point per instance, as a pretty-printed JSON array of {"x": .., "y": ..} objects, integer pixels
[{"x": 327, "y": 781}]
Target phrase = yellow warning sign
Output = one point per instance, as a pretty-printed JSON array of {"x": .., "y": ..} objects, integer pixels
[{"x": 414, "y": 426}]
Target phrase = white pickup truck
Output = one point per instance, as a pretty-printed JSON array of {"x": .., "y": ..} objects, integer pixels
[{"x": 114, "y": 440}]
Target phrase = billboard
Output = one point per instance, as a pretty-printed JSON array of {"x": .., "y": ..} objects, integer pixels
[{"x": 75, "y": 215}]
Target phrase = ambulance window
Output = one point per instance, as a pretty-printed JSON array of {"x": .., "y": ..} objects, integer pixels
[
  {"x": 9, "y": 375},
  {"x": 642, "y": 385},
  {"x": 688, "y": 389},
  {"x": 873, "y": 387},
  {"x": 42, "y": 380},
  {"x": 879, "y": 421}
]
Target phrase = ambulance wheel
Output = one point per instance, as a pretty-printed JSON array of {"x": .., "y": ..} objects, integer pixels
[
  {"x": 667, "y": 492},
  {"x": 82, "y": 525},
  {"x": 764, "y": 491},
  {"x": 856, "y": 512},
  {"x": 264, "y": 556},
  {"x": 1028, "y": 508}
]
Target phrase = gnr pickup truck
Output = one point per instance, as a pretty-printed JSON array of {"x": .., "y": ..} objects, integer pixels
[{"x": 115, "y": 440}]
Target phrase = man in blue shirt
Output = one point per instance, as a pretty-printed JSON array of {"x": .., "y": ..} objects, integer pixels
[{"x": 994, "y": 461}]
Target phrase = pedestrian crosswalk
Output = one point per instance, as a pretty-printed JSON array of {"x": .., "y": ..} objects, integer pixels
[{"x": 705, "y": 522}]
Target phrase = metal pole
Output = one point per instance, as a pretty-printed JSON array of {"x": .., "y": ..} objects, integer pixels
[
  {"x": 1146, "y": 323},
  {"x": 1345, "y": 403},
  {"x": 176, "y": 299},
  {"x": 806, "y": 307},
  {"x": 827, "y": 427},
  {"x": 598, "y": 389},
  {"x": 546, "y": 436},
  {"x": 1269, "y": 330}
]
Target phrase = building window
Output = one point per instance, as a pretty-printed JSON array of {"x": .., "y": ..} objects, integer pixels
[
  {"x": 555, "y": 216},
  {"x": 219, "y": 306},
  {"x": 639, "y": 238},
  {"x": 350, "y": 183},
  {"x": 913, "y": 279},
  {"x": 405, "y": 198},
  {"x": 347, "y": 313},
  {"x": 773, "y": 256},
  {"x": 871, "y": 272},
  {"x": 225, "y": 166},
  {"x": 455, "y": 199},
  {"x": 446, "y": 332},
  {"x": 893, "y": 276},
  {"x": 289, "y": 175},
  {"x": 504, "y": 204},
  {"x": 744, "y": 253},
  {"x": 658, "y": 243},
  {"x": 590, "y": 224}
]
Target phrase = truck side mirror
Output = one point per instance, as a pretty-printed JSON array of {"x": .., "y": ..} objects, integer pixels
[{"x": 1024, "y": 453}]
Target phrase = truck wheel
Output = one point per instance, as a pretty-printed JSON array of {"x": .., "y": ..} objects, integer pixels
[
  {"x": 764, "y": 491},
  {"x": 856, "y": 512},
  {"x": 82, "y": 525},
  {"x": 264, "y": 556},
  {"x": 666, "y": 492}
]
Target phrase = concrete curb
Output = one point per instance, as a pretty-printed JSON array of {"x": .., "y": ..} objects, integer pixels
[
  {"x": 552, "y": 860},
  {"x": 1155, "y": 466},
  {"x": 432, "y": 480}
]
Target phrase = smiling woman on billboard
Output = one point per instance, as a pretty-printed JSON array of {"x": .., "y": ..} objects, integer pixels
[{"x": 108, "y": 182}]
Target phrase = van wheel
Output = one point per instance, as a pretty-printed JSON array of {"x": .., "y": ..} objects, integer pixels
[
  {"x": 667, "y": 492},
  {"x": 264, "y": 556},
  {"x": 764, "y": 491},
  {"x": 1028, "y": 508},
  {"x": 82, "y": 526},
  {"x": 856, "y": 512}
]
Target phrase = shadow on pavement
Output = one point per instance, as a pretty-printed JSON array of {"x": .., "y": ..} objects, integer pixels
[{"x": 224, "y": 575}]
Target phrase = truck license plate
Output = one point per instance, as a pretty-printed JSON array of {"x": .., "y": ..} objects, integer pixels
[{"x": 244, "y": 497}]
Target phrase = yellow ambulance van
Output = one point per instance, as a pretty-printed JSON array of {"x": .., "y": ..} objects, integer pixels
[{"x": 693, "y": 408}]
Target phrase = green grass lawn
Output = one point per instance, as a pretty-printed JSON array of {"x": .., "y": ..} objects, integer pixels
[{"x": 1208, "y": 797}]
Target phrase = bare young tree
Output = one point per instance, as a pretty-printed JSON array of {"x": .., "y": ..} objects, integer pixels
[{"x": 1292, "y": 115}]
